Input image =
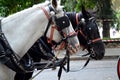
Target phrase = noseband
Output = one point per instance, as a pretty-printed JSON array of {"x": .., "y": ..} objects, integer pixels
[{"x": 91, "y": 41}]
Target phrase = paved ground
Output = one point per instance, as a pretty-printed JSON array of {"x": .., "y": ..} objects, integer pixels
[
  {"x": 96, "y": 70},
  {"x": 110, "y": 54},
  {"x": 105, "y": 69}
]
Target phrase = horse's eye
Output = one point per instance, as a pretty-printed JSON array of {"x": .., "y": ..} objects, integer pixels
[
  {"x": 82, "y": 20},
  {"x": 89, "y": 28}
]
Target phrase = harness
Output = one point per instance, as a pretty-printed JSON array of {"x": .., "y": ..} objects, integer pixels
[{"x": 8, "y": 56}]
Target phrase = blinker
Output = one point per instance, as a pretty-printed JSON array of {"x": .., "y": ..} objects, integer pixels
[{"x": 62, "y": 22}]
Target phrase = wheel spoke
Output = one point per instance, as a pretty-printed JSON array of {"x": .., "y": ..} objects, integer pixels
[{"x": 118, "y": 68}]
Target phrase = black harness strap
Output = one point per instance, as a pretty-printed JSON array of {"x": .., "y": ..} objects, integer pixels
[
  {"x": 3, "y": 37},
  {"x": 48, "y": 26},
  {"x": 9, "y": 57},
  {"x": 62, "y": 22},
  {"x": 47, "y": 48},
  {"x": 66, "y": 60}
]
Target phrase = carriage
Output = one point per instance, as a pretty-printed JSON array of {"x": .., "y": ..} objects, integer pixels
[{"x": 118, "y": 67}]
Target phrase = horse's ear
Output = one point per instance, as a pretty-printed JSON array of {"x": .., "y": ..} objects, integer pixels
[
  {"x": 85, "y": 13},
  {"x": 83, "y": 9},
  {"x": 54, "y": 3},
  {"x": 47, "y": 0},
  {"x": 59, "y": 2}
]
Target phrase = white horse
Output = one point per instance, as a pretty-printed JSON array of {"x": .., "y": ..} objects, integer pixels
[{"x": 23, "y": 28}]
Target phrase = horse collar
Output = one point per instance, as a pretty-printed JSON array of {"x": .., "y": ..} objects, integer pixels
[
  {"x": 3, "y": 36},
  {"x": 8, "y": 56}
]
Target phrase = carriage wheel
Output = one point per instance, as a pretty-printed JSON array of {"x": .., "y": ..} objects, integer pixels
[{"x": 118, "y": 67}]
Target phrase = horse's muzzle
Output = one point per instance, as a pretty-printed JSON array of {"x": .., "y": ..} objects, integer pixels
[{"x": 73, "y": 50}]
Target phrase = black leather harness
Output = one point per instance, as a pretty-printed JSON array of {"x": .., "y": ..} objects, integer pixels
[{"x": 8, "y": 56}]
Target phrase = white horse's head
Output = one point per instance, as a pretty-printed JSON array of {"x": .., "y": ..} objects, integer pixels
[{"x": 64, "y": 26}]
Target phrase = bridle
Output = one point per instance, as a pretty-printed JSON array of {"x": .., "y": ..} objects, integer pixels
[
  {"x": 65, "y": 22},
  {"x": 81, "y": 32},
  {"x": 89, "y": 43}
]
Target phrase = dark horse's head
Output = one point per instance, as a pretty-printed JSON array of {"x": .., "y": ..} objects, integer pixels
[{"x": 89, "y": 34}]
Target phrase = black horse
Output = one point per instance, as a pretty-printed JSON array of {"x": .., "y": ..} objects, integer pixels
[{"x": 88, "y": 35}]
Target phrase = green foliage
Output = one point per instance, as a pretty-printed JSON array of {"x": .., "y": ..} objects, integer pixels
[
  {"x": 106, "y": 10},
  {"x": 118, "y": 18},
  {"x": 75, "y": 5},
  {"x": 69, "y": 5},
  {"x": 8, "y": 7},
  {"x": 89, "y": 4}
]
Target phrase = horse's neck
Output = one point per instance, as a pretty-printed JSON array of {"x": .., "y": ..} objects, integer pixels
[
  {"x": 72, "y": 17},
  {"x": 24, "y": 28}
]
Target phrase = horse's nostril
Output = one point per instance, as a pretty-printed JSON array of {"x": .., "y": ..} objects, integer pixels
[
  {"x": 77, "y": 46},
  {"x": 103, "y": 53}
]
